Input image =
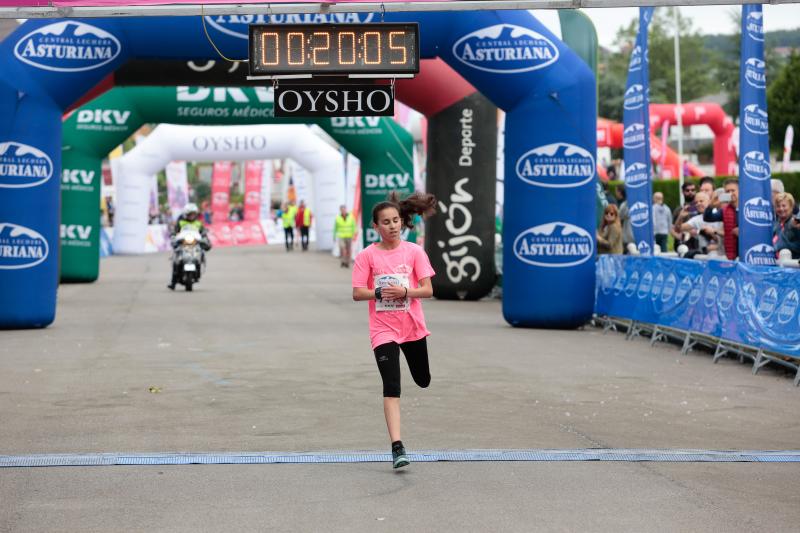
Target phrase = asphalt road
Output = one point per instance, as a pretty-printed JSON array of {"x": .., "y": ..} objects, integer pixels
[{"x": 271, "y": 354}]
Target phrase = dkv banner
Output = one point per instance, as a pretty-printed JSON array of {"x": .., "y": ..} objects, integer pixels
[
  {"x": 755, "y": 196},
  {"x": 636, "y": 139}
]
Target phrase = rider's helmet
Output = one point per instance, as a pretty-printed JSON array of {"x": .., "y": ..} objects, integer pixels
[{"x": 190, "y": 211}]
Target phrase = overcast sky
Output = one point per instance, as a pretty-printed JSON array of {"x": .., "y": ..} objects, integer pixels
[{"x": 706, "y": 19}]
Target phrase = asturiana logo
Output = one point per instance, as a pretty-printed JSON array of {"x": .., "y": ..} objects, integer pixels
[
  {"x": 756, "y": 166},
  {"x": 633, "y": 282},
  {"x": 636, "y": 59},
  {"x": 683, "y": 289},
  {"x": 697, "y": 291},
  {"x": 658, "y": 286},
  {"x": 645, "y": 285},
  {"x": 22, "y": 165},
  {"x": 768, "y": 303},
  {"x": 670, "y": 286},
  {"x": 237, "y": 25},
  {"x": 636, "y": 175},
  {"x": 639, "y": 214},
  {"x": 506, "y": 49},
  {"x": 754, "y": 73},
  {"x": 760, "y": 254},
  {"x": 633, "y": 135},
  {"x": 756, "y": 120},
  {"x": 557, "y": 165},
  {"x": 758, "y": 211},
  {"x": 712, "y": 288},
  {"x": 619, "y": 284},
  {"x": 21, "y": 247},
  {"x": 747, "y": 298},
  {"x": 755, "y": 25},
  {"x": 728, "y": 295},
  {"x": 68, "y": 47},
  {"x": 788, "y": 307},
  {"x": 634, "y": 97},
  {"x": 556, "y": 244}
]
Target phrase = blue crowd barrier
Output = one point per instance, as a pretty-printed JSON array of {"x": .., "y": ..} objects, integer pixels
[{"x": 754, "y": 306}]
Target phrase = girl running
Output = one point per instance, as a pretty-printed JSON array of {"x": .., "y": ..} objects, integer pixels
[{"x": 393, "y": 275}]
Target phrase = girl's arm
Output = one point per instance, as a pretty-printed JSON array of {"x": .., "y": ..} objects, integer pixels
[
  {"x": 363, "y": 293},
  {"x": 425, "y": 289}
]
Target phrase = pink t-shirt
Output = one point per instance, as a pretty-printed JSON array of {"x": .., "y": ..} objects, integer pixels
[{"x": 405, "y": 265}]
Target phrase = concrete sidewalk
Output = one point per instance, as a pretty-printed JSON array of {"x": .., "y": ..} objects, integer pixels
[{"x": 271, "y": 354}]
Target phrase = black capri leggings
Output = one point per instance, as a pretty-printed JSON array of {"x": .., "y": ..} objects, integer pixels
[{"x": 388, "y": 358}]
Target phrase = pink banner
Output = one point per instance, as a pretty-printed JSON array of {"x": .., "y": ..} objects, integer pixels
[
  {"x": 236, "y": 234},
  {"x": 220, "y": 191},
  {"x": 253, "y": 171}
]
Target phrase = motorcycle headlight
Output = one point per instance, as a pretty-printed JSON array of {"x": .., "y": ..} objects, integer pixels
[{"x": 189, "y": 240}]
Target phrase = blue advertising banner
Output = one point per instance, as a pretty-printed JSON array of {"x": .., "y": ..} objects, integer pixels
[
  {"x": 752, "y": 305},
  {"x": 755, "y": 197},
  {"x": 636, "y": 139}
]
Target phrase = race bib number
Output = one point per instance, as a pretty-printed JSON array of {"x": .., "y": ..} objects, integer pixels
[{"x": 392, "y": 280}]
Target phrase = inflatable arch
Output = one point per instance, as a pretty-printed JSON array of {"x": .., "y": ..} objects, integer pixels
[
  {"x": 94, "y": 129},
  {"x": 548, "y": 93},
  {"x": 169, "y": 142}
]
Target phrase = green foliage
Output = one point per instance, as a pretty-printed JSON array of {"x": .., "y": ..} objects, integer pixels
[
  {"x": 783, "y": 104},
  {"x": 791, "y": 183},
  {"x": 202, "y": 192}
]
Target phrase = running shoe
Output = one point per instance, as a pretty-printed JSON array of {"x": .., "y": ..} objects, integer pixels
[{"x": 399, "y": 458}]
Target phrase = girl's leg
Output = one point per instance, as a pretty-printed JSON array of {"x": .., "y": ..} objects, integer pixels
[
  {"x": 416, "y": 353},
  {"x": 388, "y": 358}
]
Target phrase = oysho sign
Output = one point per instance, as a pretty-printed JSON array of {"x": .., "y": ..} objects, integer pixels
[
  {"x": 506, "y": 49},
  {"x": 67, "y": 47},
  {"x": 21, "y": 247},
  {"x": 237, "y": 25},
  {"x": 557, "y": 244},
  {"x": 227, "y": 143},
  {"x": 22, "y": 165},
  {"x": 334, "y": 101},
  {"x": 557, "y": 165}
]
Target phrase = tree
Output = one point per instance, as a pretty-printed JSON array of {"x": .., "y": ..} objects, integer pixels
[{"x": 783, "y": 96}]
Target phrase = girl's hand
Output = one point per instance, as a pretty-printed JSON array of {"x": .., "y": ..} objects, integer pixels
[{"x": 393, "y": 293}]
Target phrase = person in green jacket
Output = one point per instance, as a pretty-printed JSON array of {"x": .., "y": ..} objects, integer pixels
[
  {"x": 288, "y": 213},
  {"x": 344, "y": 230}
]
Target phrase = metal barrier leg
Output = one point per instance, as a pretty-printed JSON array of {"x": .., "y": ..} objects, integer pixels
[
  {"x": 797, "y": 377},
  {"x": 759, "y": 361},
  {"x": 657, "y": 336},
  {"x": 719, "y": 351},
  {"x": 688, "y": 343}
]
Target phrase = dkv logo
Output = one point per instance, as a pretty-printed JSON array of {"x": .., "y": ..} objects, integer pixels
[
  {"x": 557, "y": 165},
  {"x": 387, "y": 181},
  {"x": 68, "y": 47},
  {"x": 22, "y": 166},
  {"x": 754, "y": 73},
  {"x": 756, "y": 166},
  {"x": 505, "y": 49},
  {"x": 634, "y": 97},
  {"x": 639, "y": 214},
  {"x": 21, "y": 247},
  {"x": 758, "y": 211},
  {"x": 755, "y": 25},
  {"x": 76, "y": 235},
  {"x": 633, "y": 136},
  {"x": 756, "y": 120},
  {"x": 760, "y": 254},
  {"x": 113, "y": 117},
  {"x": 636, "y": 175},
  {"x": 237, "y": 25},
  {"x": 556, "y": 244}
]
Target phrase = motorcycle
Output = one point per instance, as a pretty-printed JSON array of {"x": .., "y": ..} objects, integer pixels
[{"x": 188, "y": 256}]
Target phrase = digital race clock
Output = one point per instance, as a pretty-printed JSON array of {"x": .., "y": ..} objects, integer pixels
[{"x": 334, "y": 49}]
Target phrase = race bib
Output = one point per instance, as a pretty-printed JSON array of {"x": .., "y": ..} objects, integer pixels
[{"x": 392, "y": 280}]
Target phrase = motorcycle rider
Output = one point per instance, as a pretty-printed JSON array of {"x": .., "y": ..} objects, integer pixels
[{"x": 189, "y": 219}]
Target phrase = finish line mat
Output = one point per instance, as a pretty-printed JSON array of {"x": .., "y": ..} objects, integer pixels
[{"x": 590, "y": 454}]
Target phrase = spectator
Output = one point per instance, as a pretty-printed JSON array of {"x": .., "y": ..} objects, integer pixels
[
  {"x": 287, "y": 219},
  {"x": 344, "y": 229},
  {"x": 682, "y": 214},
  {"x": 611, "y": 172},
  {"x": 206, "y": 213},
  {"x": 727, "y": 212},
  {"x": 790, "y": 237},
  {"x": 624, "y": 216},
  {"x": 777, "y": 188},
  {"x": 707, "y": 186},
  {"x": 662, "y": 220},
  {"x": 609, "y": 197},
  {"x": 704, "y": 234},
  {"x": 609, "y": 236},
  {"x": 784, "y": 207}
]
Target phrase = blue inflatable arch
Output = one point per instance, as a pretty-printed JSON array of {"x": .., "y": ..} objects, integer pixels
[{"x": 547, "y": 92}]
